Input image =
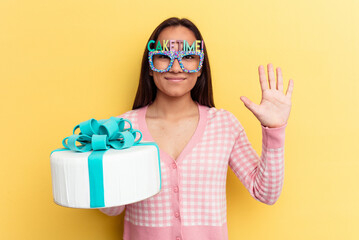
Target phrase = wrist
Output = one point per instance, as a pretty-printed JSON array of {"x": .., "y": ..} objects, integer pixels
[{"x": 275, "y": 126}]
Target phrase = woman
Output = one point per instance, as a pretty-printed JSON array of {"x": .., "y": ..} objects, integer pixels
[{"x": 174, "y": 108}]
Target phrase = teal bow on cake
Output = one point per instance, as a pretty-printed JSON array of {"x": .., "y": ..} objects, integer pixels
[
  {"x": 99, "y": 136},
  {"x": 102, "y": 135}
]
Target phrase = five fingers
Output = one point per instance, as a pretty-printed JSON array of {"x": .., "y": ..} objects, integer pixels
[{"x": 272, "y": 81}]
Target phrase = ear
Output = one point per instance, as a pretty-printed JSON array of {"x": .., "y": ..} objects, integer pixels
[
  {"x": 199, "y": 73},
  {"x": 151, "y": 72}
]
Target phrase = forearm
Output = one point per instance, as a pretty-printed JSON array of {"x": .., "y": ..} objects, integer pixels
[{"x": 266, "y": 180}]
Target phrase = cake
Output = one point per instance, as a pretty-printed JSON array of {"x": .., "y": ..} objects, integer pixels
[{"x": 109, "y": 168}]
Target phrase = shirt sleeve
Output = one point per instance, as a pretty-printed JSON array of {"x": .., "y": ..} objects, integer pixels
[
  {"x": 113, "y": 211},
  {"x": 262, "y": 176}
]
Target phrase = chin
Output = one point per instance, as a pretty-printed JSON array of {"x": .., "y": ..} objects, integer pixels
[{"x": 175, "y": 93}]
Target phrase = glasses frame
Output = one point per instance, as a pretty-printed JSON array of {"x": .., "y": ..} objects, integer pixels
[{"x": 176, "y": 55}]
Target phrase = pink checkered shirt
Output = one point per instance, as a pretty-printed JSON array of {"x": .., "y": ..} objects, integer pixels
[{"x": 192, "y": 202}]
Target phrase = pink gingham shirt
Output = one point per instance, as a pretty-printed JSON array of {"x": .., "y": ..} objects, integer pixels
[{"x": 192, "y": 202}]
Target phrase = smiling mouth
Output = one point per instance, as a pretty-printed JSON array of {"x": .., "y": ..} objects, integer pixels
[{"x": 175, "y": 79}]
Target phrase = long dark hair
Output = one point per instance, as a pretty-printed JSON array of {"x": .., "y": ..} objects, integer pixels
[{"x": 201, "y": 92}]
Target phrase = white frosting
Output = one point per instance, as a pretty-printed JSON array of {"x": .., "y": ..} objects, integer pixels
[{"x": 129, "y": 175}]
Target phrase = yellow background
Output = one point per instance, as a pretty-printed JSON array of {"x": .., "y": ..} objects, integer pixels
[{"x": 63, "y": 62}]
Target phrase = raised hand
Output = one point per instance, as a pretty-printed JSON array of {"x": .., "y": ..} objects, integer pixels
[{"x": 274, "y": 109}]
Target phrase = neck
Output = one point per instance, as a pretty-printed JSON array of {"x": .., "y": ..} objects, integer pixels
[{"x": 172, "y": 108}]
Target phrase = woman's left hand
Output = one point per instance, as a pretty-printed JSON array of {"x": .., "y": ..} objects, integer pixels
[{"x": 274, "y": 108}]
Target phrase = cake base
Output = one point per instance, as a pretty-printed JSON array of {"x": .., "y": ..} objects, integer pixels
[{"x": 129, "y": 175}]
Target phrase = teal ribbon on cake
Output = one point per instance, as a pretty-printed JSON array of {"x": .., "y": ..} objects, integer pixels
[{"x": 99, "y": 136}]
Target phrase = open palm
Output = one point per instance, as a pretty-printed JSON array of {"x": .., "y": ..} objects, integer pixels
[{"x": 275, "y": 106}]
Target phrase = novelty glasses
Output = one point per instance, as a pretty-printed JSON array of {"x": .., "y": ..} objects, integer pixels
[{"x": 162, "y": 61}]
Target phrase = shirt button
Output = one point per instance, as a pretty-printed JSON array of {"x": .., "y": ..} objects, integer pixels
[
  {"x": 178, "y": 238},
  {"x": 174, "y": 166},
  {"x": 177, "y": 214},
  {"x": 175, "y": 189}
]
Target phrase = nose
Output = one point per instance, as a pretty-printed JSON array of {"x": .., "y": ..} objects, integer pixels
[{"x": 176, "y": 66}]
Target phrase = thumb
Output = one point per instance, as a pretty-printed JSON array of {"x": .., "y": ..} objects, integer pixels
[{"x": 249, "y": 104}]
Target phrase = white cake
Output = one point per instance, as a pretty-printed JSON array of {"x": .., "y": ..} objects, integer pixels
[{"x": 129, "y": 175}]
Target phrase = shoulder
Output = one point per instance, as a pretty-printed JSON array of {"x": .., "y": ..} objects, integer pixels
[
  {"x": 223, "y": 117},
  {"x": 223, "y": 123},
  {"x": 132, "y": 115}
]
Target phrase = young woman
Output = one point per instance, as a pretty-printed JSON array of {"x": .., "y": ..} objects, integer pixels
[{"x": 174, "y": 107}]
